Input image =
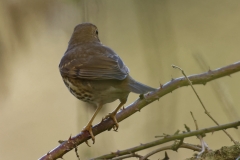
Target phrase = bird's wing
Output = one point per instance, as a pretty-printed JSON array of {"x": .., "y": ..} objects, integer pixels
[{"x": 93, "y": 63}]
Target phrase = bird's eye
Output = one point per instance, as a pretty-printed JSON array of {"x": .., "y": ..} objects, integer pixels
[{"x": 96, "y": 32}]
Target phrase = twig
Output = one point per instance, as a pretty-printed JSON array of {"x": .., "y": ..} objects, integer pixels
[
  {"x": 183, "y": 145},
  {"x": 126, "y": 156},
  {"x": 206, "y": 112},
  {"x": 221, "y": 92},
  {"x": 195, "y": 121},
  {"x": 203, "y": 143},
  {"x": 168, "y": 139},
  {"x": 203, "y": 78}
]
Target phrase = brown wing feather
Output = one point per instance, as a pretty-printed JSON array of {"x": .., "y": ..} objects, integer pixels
[{"x": 93, "y": 61}]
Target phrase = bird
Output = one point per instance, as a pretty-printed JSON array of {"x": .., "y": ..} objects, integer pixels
[{"x": 94, "y": 73}]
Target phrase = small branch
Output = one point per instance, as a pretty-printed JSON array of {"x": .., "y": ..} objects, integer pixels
[
  {"x": 203, "y": 78},
  {"x": 195, "y": 121},
  {"x": 203, "y": 143},
  {"x": 221, "y": 92},
  {"x": 191, "y": 86},
  {"x": 206, "y": 112},
  {"x": 127, "y": 156},
  {"x": 183, "y": 145},
  {"x": 168, "y": 139}
]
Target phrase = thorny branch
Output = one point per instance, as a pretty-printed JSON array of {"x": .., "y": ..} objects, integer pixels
[
  {"x": 205, "y": 109},
  {"x": 148, "y": 98},
  {"x": 168, "y": 139}
]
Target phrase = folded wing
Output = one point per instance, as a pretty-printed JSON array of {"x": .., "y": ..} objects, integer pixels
[{"x": 96, "y": 63}]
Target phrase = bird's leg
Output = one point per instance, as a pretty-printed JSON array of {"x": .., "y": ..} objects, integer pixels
[
  {"x": 113, "y": 116},
  {"x": 88, "y": 127}
]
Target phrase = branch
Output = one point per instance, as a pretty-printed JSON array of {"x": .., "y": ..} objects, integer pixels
[
  {"x": 205, "y": 109},
  {"x": 168, "y": 139},
  {"x": 148, "y": 98},
  {"x": 183, "y": 145}
]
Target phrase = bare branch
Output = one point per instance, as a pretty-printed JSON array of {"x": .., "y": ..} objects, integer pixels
[
  {"x": 205, "y": 109},
  {"x": 127, "y": 156},
  {"x": 168, "y": 139},
  {"x": 183, "y": 145},
  {"x": 203, "y": 78}
]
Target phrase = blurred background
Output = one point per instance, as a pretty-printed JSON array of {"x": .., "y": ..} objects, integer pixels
[{"x": 37, "y": 110}]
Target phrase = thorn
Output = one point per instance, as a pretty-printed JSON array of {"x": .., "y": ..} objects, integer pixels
[
  {"x": 172, "y": 78},
  {"x": 70, "y": 138},
  {"x": 112, "y": 153},
  {"x": 161, "y": 86},
  {"x": 166, "y": 156},
  {"x": 187, "y": 128},
  {"x": 61, "y": 141},
  {"x": 117, "y": 153},
  {"x": 176, "y": 132},
  {"x": 137, "y": 109},
  {"x": 102, "y": 120}
]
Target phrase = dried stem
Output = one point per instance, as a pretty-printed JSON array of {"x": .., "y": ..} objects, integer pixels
[
  {"x": 195, "y": 121},
  {"x": 206, "y": 112},
  {"x": 168, "y": 139},
  {"x": 183, "y": 145}
]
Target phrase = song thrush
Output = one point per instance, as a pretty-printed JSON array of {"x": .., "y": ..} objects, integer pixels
[{"x": 95, "y": 74}]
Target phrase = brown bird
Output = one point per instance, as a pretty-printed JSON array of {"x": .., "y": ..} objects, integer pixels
[{"x": 95, "y": 74}]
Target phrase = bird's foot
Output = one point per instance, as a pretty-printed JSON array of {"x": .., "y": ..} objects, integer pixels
[
  {"x": 88, "y": 129},
  {"x": 113, "y": 117}
]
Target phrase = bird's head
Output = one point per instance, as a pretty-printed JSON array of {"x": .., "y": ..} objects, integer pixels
[{"x": 84, "y": 32}]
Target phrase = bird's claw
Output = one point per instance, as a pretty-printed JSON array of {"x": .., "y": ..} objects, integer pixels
[
  {"x": 89, "y": 130},
  {"x": 113, "y": 117}
]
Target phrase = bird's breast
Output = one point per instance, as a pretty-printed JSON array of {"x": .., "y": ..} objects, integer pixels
[
  {"x": 79, "y": 90},
  {"x": 95, "y": 91}
]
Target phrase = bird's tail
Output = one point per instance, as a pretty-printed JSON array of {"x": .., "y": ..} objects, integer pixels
[{"x": 139, "y": 88}]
